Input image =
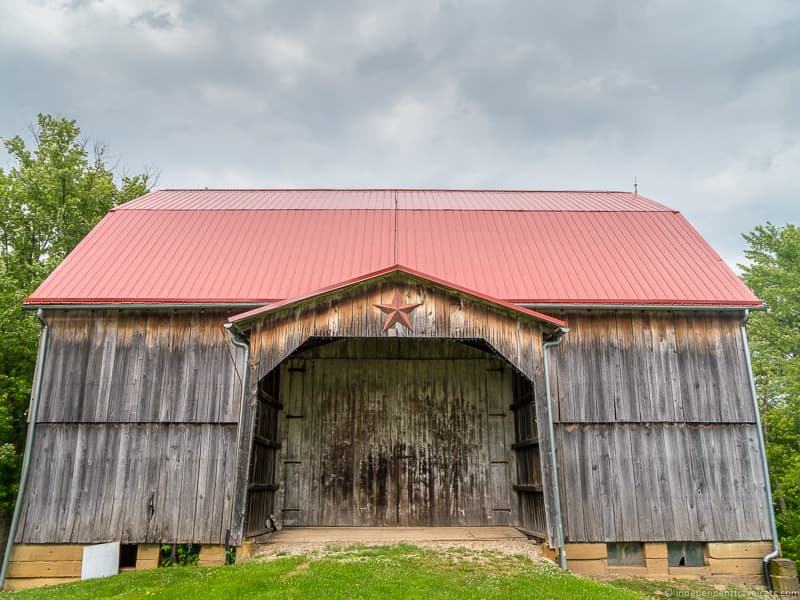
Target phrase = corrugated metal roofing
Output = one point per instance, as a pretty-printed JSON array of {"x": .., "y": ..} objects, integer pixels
[
  {"x": 256, "y": 246},
  {"x": 389, "y": 199}
]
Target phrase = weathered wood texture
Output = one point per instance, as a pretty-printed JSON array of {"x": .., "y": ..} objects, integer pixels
[
  {"x": 263, "y": 481},
  {"x": 136, "y": 435},
  {"x": 656, "y": 440},
  {"x": 651, "y": 367},
  {"x": 638, "y": 482},
  {"x": 133, "y": 483},
  {"x": 528, "y": 484},
  {"x": 396, "y": 432},
  {"x": 351, "y": 312},
  {"x": 137, "y": 439},
  {"x": 138, "y": 367}
]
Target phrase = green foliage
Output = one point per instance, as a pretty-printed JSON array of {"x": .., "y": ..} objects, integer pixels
[
  {"x": 178, "y": 554},
  {"x": 774, "y": 275},
  {"x": 54, "y": 192}
]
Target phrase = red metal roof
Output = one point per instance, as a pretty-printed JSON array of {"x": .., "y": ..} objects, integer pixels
[
  {"x": 256, "y": 312},
  {"x": 389, "y": 199},
  {"x": 257, "y": 246}
]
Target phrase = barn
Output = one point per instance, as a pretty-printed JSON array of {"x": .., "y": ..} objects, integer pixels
[{"x": 217, "y": 364}]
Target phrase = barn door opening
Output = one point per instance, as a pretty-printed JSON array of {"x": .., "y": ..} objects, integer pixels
[
  {"x": 262, "y": 484},
  {"x": 396, "y": 432}
]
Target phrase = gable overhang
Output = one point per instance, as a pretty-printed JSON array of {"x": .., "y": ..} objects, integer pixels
[{"x": 243, "y": 321}]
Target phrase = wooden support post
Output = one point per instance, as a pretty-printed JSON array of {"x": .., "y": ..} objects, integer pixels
[
  {"x": 147, "y": 556},
  {"x": 655, "y": 559},
  {"x": 40, "y": 565},
  {"x": 211, "y": 556},
  {"x": 245, "y": 552}
]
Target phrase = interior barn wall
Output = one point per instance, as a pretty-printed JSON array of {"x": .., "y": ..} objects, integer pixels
[
  {"x": 136, "y": 435},
  {"x": 656, "y": 432},
  {"x": 396, "y": 432}
]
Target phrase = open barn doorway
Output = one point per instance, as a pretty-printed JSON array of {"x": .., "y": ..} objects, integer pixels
[{"x": 395, "y": 431}]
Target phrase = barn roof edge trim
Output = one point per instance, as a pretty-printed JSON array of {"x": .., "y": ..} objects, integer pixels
[{"x": 253, "y": 314}]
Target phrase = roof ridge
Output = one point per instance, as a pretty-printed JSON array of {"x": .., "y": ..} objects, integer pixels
[
  {"x": 395, "y": 189},
  {"x": 269, "y": 199},
  {"x": 466, "y": 199},
  {"x": 662, "y": 209}
]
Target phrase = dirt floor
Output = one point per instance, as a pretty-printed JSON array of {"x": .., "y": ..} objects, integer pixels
[{"x": 320, "y": 541}]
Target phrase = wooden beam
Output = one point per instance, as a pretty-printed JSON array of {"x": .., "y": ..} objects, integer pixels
[
  {"x": 527, "y": 488},
  {"x": 525, "y": 444},
  {"x": 262, "y": 441},
  {"x": 262, "y": 487}
]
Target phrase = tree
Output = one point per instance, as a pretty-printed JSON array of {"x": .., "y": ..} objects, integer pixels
[
  {"x": 50, "y": 198},
  {"x": 774, "y": 275}
]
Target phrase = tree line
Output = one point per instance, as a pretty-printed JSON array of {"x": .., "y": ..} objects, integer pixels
[
  {"x": 55, "y": 188},
  {"x": 773, "y": 273}
]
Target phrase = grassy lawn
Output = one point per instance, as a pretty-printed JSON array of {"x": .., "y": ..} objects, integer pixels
[
  {"x": 383, "y": 572},
  {"x": 402, "y": 571},
  {"x": 683, "y": 588}
]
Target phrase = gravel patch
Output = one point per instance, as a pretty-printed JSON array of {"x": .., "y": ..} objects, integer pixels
[{"x": 469, "y": 548}]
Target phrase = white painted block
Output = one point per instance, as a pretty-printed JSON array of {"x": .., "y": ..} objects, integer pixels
[{"x": 100, "y": 560}]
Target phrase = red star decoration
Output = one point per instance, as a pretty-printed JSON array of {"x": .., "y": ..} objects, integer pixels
[{"x": 397, "y": 312}]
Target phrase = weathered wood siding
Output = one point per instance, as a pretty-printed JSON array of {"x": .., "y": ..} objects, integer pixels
[
  {"x": 528, "y": 483},
  {"x": 263, "y": 480},
  {"x": 396, "y": 432},
  {"x": 351, "y": 312},
  {"x": 656, "y": 434},
  {"x": 651, "y": 367},
  {"x": 667, "y": 482},
  {"x": 123, "y": 366},
  {"x": 136, "y": 435},
  {"x": 129, "y": 482}
]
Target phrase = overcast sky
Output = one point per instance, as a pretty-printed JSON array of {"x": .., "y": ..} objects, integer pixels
[{"x": 698, "y": 100}]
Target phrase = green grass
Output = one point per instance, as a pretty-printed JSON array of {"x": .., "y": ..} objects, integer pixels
[
  {"x": 686, "y": 588},
  {"x": 357, "y": 572}
]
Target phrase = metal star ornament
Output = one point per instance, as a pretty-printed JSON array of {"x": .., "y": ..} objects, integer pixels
[{"x": 397, "y": 312}]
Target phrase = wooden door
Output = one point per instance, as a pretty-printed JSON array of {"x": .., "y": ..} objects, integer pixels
[
  {"x": 262, "y": 483},
  {"x": 528, "y": 484},
  {"x": 500, "y": 433}
]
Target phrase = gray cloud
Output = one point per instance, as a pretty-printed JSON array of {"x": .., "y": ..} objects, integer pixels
[
  {"x": 698, "y": 101},
  {"x": 156, "y": 20}
]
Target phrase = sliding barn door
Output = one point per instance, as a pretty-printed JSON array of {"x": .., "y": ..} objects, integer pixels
[
  {"x": 262, "y": 484},
  {"x": 526, "y": 448},
  {"x": 500, "y": 436}
]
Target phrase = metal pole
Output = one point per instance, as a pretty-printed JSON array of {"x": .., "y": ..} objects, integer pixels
[
  {"x": 33, "y": 412},
  {"x": 240, "y": 342},
  {"x": 562, "y": 553},
  {"x": 776, "y": 548}
]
